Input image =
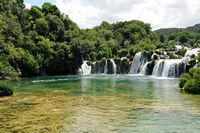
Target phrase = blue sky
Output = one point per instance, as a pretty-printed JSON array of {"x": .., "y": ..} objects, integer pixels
[
  {"x": 159, "y": 13},
  {"x": 38, "y": 2}
]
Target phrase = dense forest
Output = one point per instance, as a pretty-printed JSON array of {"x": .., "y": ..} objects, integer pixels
[
  {"x": 167, "y": 31},
  {"x": 43, "y": 41}
]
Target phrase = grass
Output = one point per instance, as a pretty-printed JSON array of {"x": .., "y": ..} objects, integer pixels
[{"x": 5, "y": 89}]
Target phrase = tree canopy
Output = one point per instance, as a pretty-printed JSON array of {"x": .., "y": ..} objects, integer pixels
[{"x": 42, "y": 41}]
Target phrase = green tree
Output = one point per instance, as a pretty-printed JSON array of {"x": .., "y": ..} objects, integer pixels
[
  {"x": 42, "y": 26},
  {"x": 48, "y": 8},
  {"x": 36, "y": 12}
]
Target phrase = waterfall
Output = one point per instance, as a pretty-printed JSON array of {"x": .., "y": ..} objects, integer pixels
[
  {"x": 190, "y": 52},
  {"x": 138, "y": 62},
  {"x": 106, "y": 67},
  {"x": 85, "y": 68},
  {"x": 144, "y": 69},
  {"x": 171, "y": 68},
  {"x": 143, "y": 63},
  {"x": 114, "y": 66},
  {"x": 168, "y": 68},
  {"x": 158, "y": 68}
]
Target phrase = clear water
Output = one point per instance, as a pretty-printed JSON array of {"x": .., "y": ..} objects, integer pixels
[{"x": 99, "y": 104}]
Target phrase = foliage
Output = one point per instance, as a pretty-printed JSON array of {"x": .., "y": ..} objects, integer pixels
[
  {"x": 7, "y": 71},
  {"x": 39, "y": 41},
  {"x": 183, "y": 79},
  {"x": 191, "y": 81},
  {"x": 192, "y": 86},
  {"x": 182, "y": 51},
  {"x": 5, "y": 89},
  {"x": 184, "y": 37}
]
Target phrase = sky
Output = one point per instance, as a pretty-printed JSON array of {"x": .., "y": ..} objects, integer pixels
[{"x": 159, "y": 13}]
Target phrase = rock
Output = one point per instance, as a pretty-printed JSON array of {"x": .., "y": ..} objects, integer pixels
[
  {"x": 150, "y": 67},
  {"x": 124, "y": 65},
  {"x": 174, "y": 56},
  {"x": 154, "y": 56},
  {"x": 164, "y": 57},
  {"x": 177, "y": 47}
]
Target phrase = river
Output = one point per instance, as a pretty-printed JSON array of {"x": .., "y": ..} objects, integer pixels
[{"x": 99, "y": 104}]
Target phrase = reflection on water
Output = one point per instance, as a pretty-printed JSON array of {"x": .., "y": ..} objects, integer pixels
[
  {"x": 85, "y": 84},
  {"x": 99, "y": 104}
]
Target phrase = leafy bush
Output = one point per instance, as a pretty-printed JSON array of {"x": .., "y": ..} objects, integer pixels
[
  {"x": 181, "y": 52},
  {"x": 190, "y": 82},
  {"x": 183, "y": 79},
  {"x": 122, "y": 52},
  {"x": 5, "y": 89},
  {"x": 6, "y": 70},
  {"x": 192, "y": 86},
  {"x": 195, "y": 73}
]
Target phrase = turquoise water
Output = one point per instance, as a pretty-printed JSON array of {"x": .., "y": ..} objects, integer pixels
[{"x": 99, "y": 104}]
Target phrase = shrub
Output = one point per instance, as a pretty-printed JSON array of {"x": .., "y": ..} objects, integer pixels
[
  {"x": 5, "y": 89},
  {"x": 122, "y": 52},
  {"x": 182, "y": 51},
  {"x": 195, "y": 73},
  {"x": 117, "y": 60},
  {"x": 183, "y": 79},
  {"x": 190, "y": 82},
  {"x": 192, "y": 86},
  {"x": 125, "y": 60},
  {"x": 6, "y": 70}
]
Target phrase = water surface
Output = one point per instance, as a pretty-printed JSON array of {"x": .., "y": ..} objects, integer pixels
[{"x": 99, "y": 104}]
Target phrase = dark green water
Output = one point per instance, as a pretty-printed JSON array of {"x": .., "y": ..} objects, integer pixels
[{"x": 100, "y": 104}]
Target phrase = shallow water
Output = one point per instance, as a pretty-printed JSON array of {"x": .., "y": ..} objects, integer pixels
[{"x": 99, "y": 104}]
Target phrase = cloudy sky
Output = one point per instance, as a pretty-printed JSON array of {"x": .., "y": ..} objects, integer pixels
[{"x": 159, "y": 13}]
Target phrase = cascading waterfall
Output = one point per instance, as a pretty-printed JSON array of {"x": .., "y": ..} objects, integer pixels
[
  {"x": 114, "y": 66},
  {"x": 168, "y": 68},
  {"x": 145, "y": 64},
  {"x": 106, "y": 67},
  {"x": 171, "y": 68},
  {"x": 85, "y": 68},
  {"x": 158, "y": 68},
  {"x": 138, "y": 62},
  {"x": 190, "y": 52},
  {"x": 144, "y": 69}
]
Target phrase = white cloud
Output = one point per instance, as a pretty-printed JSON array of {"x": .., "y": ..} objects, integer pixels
[
  {"x": 159, "y": 13},
  {"x": 27, "y": 5}
]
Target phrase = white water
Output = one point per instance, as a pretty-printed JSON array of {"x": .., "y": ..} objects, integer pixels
[
  {"x": 137, "y": 63},
  {"x": 190, "y": 52},
  {"x": 144, "y": 69},
  {"x": 162, "y": 68},
  {"x": 171, "y": 68},
  {"x": 158, "y": 68},
  {"x": 85, "y": 68},
  {"x": 114, "y": 66},
  {"x": 168, "y": 68},
  {"x": 106, "y": 67}
]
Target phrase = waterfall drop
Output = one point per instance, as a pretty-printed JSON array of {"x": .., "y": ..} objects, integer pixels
[
  {"x": 158, "y": 68},
  {"x": 114, "y": 66},
  {"x": 191, "y": 52},
  {"x": 169, "y": 68},
  {"x": 144, "y": 69},
  {"x": 106, "y": 67},
  {"x": 85, "y": 68},
  {"x": 138, "y": 62}
]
